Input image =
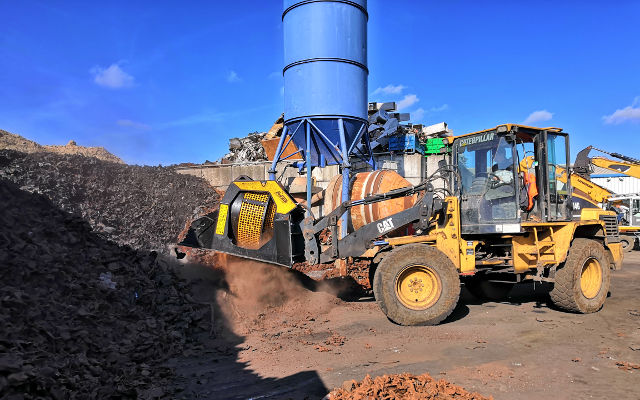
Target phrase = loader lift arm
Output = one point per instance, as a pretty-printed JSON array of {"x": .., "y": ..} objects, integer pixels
[{"x": 357, "y": 242}]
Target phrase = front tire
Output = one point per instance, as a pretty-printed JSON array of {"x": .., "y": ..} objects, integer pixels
[
  {"x": 416, "y": 284},
  {"x": 582, "y": 284}
]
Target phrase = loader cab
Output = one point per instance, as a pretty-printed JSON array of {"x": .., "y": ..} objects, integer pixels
[{"x": 509, "y": 175}]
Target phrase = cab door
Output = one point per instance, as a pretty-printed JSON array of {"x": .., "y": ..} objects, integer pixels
[{"x": 557, "y": 197}]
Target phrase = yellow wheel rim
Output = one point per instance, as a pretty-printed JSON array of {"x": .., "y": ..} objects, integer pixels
[
  {"x": 418, "y": 287},
  {"x": 591, "y": 278}
]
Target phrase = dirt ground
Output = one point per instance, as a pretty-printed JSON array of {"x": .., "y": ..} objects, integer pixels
[{"x": 277, "y": 339}]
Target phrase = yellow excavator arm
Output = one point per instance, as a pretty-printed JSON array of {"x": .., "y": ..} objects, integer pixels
[
  {"x": 621, "y": 167},
  {"x": 593, "y": 191}
]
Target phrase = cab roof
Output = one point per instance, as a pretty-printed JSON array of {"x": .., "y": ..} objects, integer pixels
[{"x": 507, "y": 128}]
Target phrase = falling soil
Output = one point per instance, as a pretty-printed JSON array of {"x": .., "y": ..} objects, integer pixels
[
  {"x": 142, "y": 207},
  {"x": 402, "y": 386},
  {"x": 264, "y": 297}
]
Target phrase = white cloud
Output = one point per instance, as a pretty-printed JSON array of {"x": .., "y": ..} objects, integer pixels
[
  {"x": 233, "y": 77},
  {"x": 439, "y": 108},
  {"x": 127, "y": 123},
  {"x": 112, "y": 77},
  {"x": 417, "y": 115},
  {"x": 407, "y": 101},
  {"x": 389, "y": 89},
  {"x": 629, "y": 113},
  {"x": 538, "y": 116}
]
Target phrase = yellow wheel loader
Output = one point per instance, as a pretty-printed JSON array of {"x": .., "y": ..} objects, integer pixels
[{"x": 495, "y": 223}]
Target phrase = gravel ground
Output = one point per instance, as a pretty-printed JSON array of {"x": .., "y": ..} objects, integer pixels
[{"x": 517, "y": 348}]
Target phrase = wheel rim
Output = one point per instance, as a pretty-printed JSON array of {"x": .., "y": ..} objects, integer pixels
[
  {"x": 418, "y": 287},
  {"x": 625, "y": 243},
  {"x": 591, "y": 278}
]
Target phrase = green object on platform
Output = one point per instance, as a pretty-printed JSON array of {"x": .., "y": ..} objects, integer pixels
[{"x": 436, "y": 146}]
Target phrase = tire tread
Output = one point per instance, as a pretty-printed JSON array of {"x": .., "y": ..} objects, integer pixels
[
  {"x": 384, "y": 279},
  {"x": 566, "y": 293}
]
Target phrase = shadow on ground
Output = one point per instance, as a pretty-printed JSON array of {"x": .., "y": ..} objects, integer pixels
[
  {"x": 215, "y": 371},
  {"x": 521, "y": 293}
]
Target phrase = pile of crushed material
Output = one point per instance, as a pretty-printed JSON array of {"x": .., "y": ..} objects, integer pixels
[
  {"x": 402, "y": 386},
  {"x": 83, "y": 317},
  {"x": 143, "y": 207},
  {"x": 11, "y": 141}
]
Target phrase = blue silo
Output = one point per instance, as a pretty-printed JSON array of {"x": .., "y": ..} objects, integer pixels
[
  {"x": 325, "y": 82},
  {"x": 325, "y": 58}
]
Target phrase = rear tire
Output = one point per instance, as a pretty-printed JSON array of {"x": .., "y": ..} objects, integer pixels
[
  {"x": 416, "y": 284},
  {"x": 483, "y": 289},
  {"x": 628, "y": 242},
  {"x": 582, "y": 283}
]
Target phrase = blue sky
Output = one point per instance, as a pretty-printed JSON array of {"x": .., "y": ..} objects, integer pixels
[{"x": 169, "y": 82}]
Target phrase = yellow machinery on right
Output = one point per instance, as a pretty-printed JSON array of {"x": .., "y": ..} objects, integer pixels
[{"x": 626, "y": 205}]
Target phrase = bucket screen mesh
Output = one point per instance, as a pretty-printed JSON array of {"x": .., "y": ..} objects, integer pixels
[{"x": 255, "y": 220}]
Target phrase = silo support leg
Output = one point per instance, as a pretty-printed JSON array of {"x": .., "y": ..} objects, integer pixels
[{"x": 345, "y": 174}]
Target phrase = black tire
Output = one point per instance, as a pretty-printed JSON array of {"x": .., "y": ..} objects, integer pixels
[
  {"x": 395, "y": 268},
  {"x": 567, "y": 292},
  {"x": 487, "y": 290},
  {"x": 628, "y": 242}
]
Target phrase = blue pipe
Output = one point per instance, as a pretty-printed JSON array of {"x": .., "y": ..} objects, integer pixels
[
  {"x": 308, "y": 157},
  {"x": 291, "y": 155},
  {"x": 276, "y": 157}
]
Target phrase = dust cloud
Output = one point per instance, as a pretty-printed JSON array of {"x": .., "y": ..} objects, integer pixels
[{"x": 260, "y": 294}]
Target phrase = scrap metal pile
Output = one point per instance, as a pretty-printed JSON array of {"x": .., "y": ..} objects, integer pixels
[
  {"x": 143, "y": 207},
  {"x": 387, "y": 132},
  {"x": 81, "y": 316},
  {"x": 246, "y": 149},
  {"x": 256, "y": 146}
]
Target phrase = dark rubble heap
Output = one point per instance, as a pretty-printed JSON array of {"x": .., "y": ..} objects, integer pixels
[
  {"x": 142, "y": 207},
  {"x": 83, "y": 317}
]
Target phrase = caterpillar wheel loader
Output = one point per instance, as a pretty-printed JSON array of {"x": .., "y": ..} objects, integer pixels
[{"x": 495, "y": 223}]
